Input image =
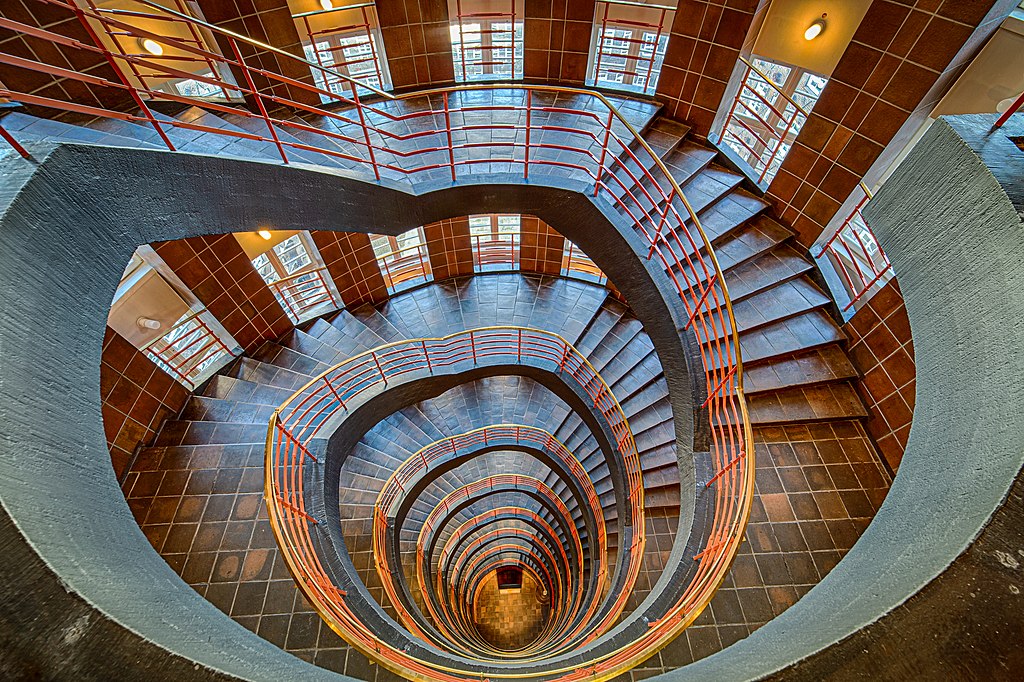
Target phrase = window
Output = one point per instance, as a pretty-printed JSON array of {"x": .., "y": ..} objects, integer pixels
[
  {"x": 770, "y": 108},
  {"x": 496, "y": 242},
  {"x": 157, "y": 66},
  {"x": 403, "y": 259},
  {"x": 487, "y": 39},
  {"x": 577, "y": 264},
  {"x": 295, "y": 273},
  {"x": 156, "y": 313},
  {"x": 345, "y": 40},
  {"x": 628, "y": 45}
]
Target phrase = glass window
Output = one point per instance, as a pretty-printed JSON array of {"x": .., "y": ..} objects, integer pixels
[
  {"x": 403, "y": 259},
  {"x": 345, "y": 40},
  {"x": 628, "y": 45},
  {"x": 487, "y": 39}
]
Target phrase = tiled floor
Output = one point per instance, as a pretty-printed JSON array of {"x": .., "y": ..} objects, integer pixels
[
  {"x": 510, "y": 620},
  {"x": 818, "y": 487}
]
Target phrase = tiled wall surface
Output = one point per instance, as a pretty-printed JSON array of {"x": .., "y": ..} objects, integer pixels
[
  {"x": 702, "y": 51},
  {"x": 63, "y": 22},
  {"x": 417, "y": 42},
  {"x": 220, "y": 275},
  {"x": 350, "y": 260},
  {"x": 137, "y": 397},
  {"x": 268, "y": 21},
  {"x": 450, "y": 248},
  {"x": 882, "y": 350},
  {"x": 894, "y": 69},
  {"x": 557, "y": 39},
  {"x": 542, "y": 247}
]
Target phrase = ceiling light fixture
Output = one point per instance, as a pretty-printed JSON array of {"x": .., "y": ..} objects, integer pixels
[
  {"x": 151, "y": 46},
  {"x": 327, "y": 4},
  {"x": 816, "y": 28},
  {"x": 148, "y": 323},
  {"x": 265, "y": 234}
]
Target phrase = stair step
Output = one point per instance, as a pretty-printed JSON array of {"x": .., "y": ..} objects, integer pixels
[
  {"x": 787, "y": 299},
  {"x": 181, "y": 432},
  {"x": 803, "y": 332},
  {"x": 766, "y": 270},
  {"x": 822, "y": 365},
  {"x": 29, "y": 128},
  {"x": 806, "y": 404},
  {"x": 205, "y": 408}
]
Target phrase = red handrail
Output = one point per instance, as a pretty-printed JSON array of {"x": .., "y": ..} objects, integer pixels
[
  {"x": 856, "y": 255},
  {"x": 303, "y": 292},
  {"x": 602, "y": 148}
]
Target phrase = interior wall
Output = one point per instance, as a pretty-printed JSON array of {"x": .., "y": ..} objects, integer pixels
[
  {"x": 137, "y": 397},
  {"x": 781, "y": 37},
  {"x": 882, "y": 350},
  {"x": 996, "y": 74},
  {"x": 218, "y": 272}
]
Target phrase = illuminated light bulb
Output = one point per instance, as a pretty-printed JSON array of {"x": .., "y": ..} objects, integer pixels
[
  {"x": 151, "y": 46},
  {"x": 147, "y": 323},
  {"x": 326, "y": 4},
  {"x": 816, "y": 28},
  {"x": 265, "y": 234}
]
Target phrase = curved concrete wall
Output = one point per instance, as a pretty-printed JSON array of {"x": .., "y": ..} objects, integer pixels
[
  {"x": 932, "y": 589},
  {"x": 85, "y": 595}
]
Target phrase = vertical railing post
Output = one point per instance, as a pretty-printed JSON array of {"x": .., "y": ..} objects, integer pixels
[
  {"x": 147, "y": 113},
  {"x": 448, "y": 131},
  {"x": 604, "y": 151},
  {"x": 376, "y": 361},
  {"x": 427, "y": 356},
  {"x": 529, "y": 111},
  {"x": 259, "y": 98},
  {"x": 472, "y": 345},
  {"x": 14, "y": 143},
  {"x": 282, "y": 292},
  {"x": 366, "y": 130}
]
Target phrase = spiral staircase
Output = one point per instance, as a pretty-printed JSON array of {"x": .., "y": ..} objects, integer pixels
[{"x": 351, "y": 491}]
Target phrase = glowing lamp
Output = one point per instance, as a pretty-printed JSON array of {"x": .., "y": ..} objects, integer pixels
[
  {"x": 816, "y": 28},
  {"x": 151, "y": 46},
  {"x": 265, "y": 234},
  {"x": 326, "y": 4}
]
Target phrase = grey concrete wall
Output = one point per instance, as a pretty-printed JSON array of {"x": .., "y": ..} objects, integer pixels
[
  {"x": 932, "y": 589},
  {"x": 85, "y": 596}
]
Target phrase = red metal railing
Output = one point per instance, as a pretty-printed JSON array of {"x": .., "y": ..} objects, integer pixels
[
  {"x": 582, "y": 135},
  {"x": 575, "y": 262},
  {"x": 300, "y": 419},
  {"x": 405, "y": 264},
  {"x": 1010, "y": 111},
  {"x": 483, "y": 486},
  {"x": 535, "y": 523},
  {"x": 187, "y": 349},
  {"x": 490, "y": 252},
  {"x": 855, "y": 254},
  {"x": 303, "y": 292},
  {"x": 622, "y": 59},
  {"x": 363, "y": 66},
  {"x": 441, "y": 451},
  {"x": 490, "y": 39},
  {"x": 762, "y": 123}
]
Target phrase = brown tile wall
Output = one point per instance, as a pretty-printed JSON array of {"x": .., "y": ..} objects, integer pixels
[
  {"x": 417, "y": 42},
  {"x": 542, "y": 247},
  {"x": 137, "y": 396},
  {"x": 449, "y": 247},
  {"x": 556, "y": 37},
  {"x": 62, "y": 21},
  {"x": 705, "y": 43},
  {"x": 268, "y": 21},
  {"x": 898, "y": 64},
  {"x": 220, "y": 275},
  {"x": 882, "y": 350},
  {"x": 350, "y": 260}
]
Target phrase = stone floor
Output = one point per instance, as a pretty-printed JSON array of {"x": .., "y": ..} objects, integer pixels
[
  {"x": 510, "y": 620},
  {"x": 818, "y": 486}
]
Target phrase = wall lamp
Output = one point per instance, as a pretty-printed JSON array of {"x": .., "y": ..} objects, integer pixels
[
  {"x": 816, "y": 28},
  {"x": 151, "y": 46},
  {"x": 265, "y": 234}
]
